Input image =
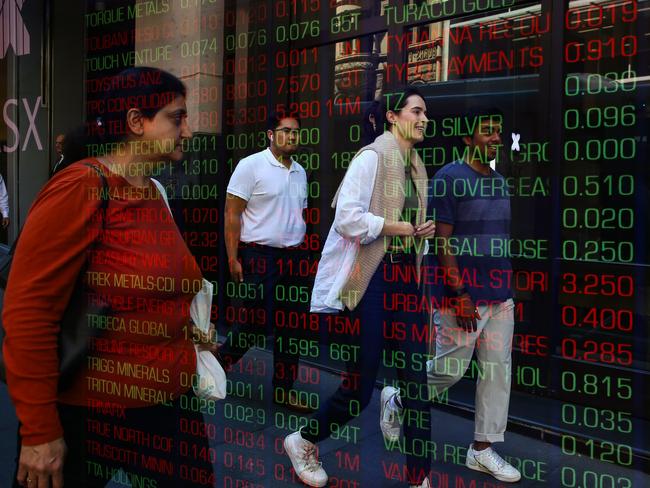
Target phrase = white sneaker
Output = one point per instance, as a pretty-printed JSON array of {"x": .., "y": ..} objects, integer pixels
[
  {"x": 489, "y": 461},
  {"x": 424, "y": 484},
  {"x": 389, "y": 421},
  {"x": 304, "y": 460}
]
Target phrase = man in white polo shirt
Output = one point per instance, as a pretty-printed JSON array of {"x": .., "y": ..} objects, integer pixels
[{"x": 264, "y": 224}]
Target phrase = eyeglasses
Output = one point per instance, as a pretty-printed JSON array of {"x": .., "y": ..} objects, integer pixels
[{"x": 286, "y": 131}]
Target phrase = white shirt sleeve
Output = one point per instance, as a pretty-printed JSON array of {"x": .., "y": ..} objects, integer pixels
[
  {"x": 4, "y": 199},
  {"x": 304, "y": 202},
  {"x": 242, "y": 181},
  {"x": 352, "y": 219}
]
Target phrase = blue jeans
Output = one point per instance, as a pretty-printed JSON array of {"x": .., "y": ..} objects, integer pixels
[
  {"x": 265, "y": 268},
  {"x": 492, "y": 342},
  {"x": 379, "y": 339}
]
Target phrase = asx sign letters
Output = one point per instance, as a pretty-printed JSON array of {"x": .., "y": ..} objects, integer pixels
[
  {"x": 13, "y": 31},
  {"x": 32, "y": 131}
]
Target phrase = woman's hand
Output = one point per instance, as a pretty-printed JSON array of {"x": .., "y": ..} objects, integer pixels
[
  {"x": 205, "y": 341},
  {"x": 41, "y": 466},
  {"x": 426, "y": 230},
  {"x": 404, "y": 229}
]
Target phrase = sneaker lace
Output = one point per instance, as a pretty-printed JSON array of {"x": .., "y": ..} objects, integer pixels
[
  {"x": 390, "y": 411},
  {"x": 309, "y": 457},
  {"x": 500, "y": 462}
]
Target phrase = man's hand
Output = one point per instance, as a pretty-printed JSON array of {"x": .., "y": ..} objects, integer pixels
[
  {"x": 5, "y": 222},
  {"x": 426, "y": 230},
  {"x": 42, "y": 466},
  {"x": 467, "y": 313},
  {"x": 236, "y": 271}
]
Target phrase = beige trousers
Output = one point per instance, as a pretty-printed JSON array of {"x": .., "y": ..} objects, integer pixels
[{"x": 452, "y": 354}]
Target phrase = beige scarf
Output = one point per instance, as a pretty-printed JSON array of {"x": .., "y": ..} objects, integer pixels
[{"x": 387, "y": 201}]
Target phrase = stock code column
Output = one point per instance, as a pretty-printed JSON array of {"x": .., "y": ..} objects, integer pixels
[
  {"x": 184, "y": 38},
  {"x": 603, "y": 338},
  {"x": 246, "y": 64},
  {"x": 194, "y": 186}
]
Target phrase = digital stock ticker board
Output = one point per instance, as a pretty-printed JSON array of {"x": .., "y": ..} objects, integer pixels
[{"x": 566, "y": 82}]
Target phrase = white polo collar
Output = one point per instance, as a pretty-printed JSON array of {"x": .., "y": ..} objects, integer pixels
[{"x": 271, "y": 159}]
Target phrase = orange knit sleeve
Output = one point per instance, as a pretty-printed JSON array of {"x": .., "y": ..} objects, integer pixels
[{"x": 51, "y": 252}]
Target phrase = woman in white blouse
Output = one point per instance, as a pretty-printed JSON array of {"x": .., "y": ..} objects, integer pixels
[{"x": 369, "y": 273}]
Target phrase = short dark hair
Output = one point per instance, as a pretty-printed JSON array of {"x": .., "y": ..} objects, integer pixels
[
  {"x": 275, "y": 118},
  {"x": 371, "y": 132},
  {"x": 489, "y": 112},
  {"x": 145, "y": 88},
  {"x": 396, "y": 100}
]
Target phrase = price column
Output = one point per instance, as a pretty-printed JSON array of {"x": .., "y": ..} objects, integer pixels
[{"x": 599, "y": 248}]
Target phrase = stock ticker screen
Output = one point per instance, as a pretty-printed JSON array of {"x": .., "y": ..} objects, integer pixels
[{"x": 571, "y": 80}]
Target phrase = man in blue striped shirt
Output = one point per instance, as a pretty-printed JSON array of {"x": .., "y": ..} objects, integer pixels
[
  {"x": 470, "y": 203},
  {"x": 473, "y": 227}
]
